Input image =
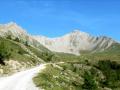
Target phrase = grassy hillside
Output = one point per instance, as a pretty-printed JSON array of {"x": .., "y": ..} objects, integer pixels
[
  {"x": 15, "y": 55},
  {"x": 45, "y": 55},
  {"x": 112, "y": 53},
  {"x": 17, "y": 50},
  {"x": 80, "y": 76},
  {"x": 94, "y": 71}
]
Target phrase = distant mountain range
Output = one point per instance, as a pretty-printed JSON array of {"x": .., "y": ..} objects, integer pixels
[{"x": 75, "y": 42}]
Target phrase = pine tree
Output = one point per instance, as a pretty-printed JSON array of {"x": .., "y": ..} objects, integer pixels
[
  {"x": 89, "y": 82},
  {"x": 4, "y": 52},
  {"x": 17, "y": 39}
]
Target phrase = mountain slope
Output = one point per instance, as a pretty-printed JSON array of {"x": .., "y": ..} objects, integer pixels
[
  {"x": 15, "y": 32},
  {"x": 76, "y": 42},
  {"x": 24, "y": 51}
]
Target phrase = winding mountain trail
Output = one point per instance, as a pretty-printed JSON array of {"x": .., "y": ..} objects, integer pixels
[{"x": 21, "y": 80}]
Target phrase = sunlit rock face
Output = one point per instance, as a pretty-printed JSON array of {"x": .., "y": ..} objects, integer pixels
[{"x": 76, "y": 42}]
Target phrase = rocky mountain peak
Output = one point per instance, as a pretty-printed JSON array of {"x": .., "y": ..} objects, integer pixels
[
  {"x": 11, "y": 28},
  {"x": 78, "y": 33}
]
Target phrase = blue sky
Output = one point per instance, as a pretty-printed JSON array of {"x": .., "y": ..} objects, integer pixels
[{"x": 55, "y": 18}]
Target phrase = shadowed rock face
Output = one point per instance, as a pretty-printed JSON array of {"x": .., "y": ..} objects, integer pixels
[{"x": 76, "y": 42}]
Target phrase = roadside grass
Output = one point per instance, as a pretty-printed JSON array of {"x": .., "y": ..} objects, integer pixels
[{"x": 55, "y": 78}]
